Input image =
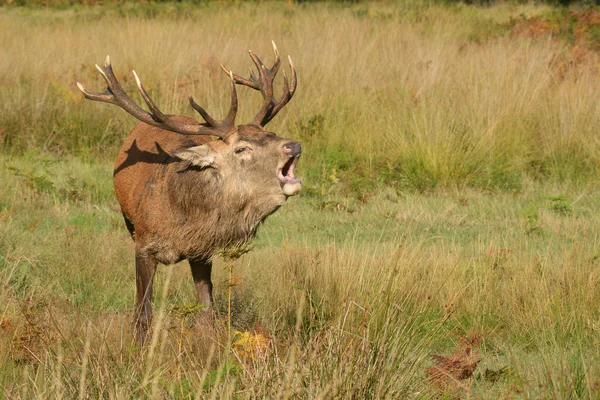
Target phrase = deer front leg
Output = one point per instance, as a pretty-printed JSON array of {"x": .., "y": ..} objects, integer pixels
[
  {"x": 145, "y": 267},
  {"x": 201, "y": 270}
]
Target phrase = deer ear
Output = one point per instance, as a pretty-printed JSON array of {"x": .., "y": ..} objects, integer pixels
[{"x": 201, "y": 156}]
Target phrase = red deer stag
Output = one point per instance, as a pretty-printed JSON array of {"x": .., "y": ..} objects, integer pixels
[{"x": 184, "y": 195}]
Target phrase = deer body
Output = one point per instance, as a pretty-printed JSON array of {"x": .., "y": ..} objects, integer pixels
[
  {"x": 178, "y": 210},
  {"x": 186, "y": 196}
]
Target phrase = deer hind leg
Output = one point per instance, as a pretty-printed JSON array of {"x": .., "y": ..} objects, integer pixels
[
  {"x": 129, "y": 225},
  {"x": 201, "y": 270},
  {"x": 145, "y": 267}
]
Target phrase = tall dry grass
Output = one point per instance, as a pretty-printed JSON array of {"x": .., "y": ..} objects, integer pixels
[
  {"x": 417, "y": 96},
  {"x": 352, "y": 287},
  {"x": 330, "y": 304}
]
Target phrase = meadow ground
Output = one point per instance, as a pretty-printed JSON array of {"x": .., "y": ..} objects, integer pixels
[{"x": 446, "y": 243}]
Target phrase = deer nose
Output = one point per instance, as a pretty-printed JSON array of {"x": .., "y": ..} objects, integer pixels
[{"x": 294, "y": 149}]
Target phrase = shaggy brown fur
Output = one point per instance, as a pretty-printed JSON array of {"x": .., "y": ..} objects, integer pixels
[
  {"x": 185, "y": 196},
  {"x": 179, "y": 207}
]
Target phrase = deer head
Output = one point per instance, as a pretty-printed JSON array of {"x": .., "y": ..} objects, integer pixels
[{"x": 240, "y": 147}]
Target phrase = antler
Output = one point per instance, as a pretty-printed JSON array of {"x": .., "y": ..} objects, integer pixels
[
  {"x": 264, "y": 83},
  {"x": 114, "y": 94}
]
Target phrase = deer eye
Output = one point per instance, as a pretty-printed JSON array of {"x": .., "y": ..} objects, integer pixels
[{"x": 240, "y": 150}]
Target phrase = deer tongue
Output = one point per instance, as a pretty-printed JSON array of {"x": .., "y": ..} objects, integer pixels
[{"x": 289, "y": 184}]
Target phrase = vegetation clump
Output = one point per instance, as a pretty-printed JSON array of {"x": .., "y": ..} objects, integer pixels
[{"x": 450, "y": 162}]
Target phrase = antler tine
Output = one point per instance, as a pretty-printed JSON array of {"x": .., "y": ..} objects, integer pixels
[
  {"x": 157, "y": 115},
  {"x": 259, "y": 64},
  {"x": 209, "y": 120},
  {"x": 277, "y": 62},
  {"x": 230, "y": 118},
  {"x": 243, "y": 81},
  {"x": 266, "y": 89},
  {"x": 288, "y": 91},
  {"x": 264, "y": 84},
  {"x": 229, "y": 121},
  {"x": 255, "y": 82},
  {"x": 114, "y": 94},
  {"x": 294, "y": 76}
]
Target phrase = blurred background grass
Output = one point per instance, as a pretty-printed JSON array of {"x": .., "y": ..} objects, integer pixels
[
  {"x": 450, "y": 168},
  {"x": 403, "y": 95}
]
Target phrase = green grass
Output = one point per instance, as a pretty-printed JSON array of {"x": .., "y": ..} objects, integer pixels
[
  {"x": 450, "y": 188},
  {"x": 411, "y": 96},
  {"x": 353, "y": 302}
]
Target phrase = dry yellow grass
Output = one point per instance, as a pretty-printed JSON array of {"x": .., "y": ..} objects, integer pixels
[
  {"x": 357, "y": 283},
  {"x": 434, "y": 96}
]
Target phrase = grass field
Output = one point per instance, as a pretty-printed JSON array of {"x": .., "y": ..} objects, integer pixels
[{"x": 446, "y": 244}]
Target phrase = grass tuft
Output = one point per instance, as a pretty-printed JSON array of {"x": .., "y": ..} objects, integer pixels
[{"x": 450, "y": 206}]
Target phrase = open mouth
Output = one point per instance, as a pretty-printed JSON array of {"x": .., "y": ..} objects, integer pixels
[{"x": 290, "y": 185}]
